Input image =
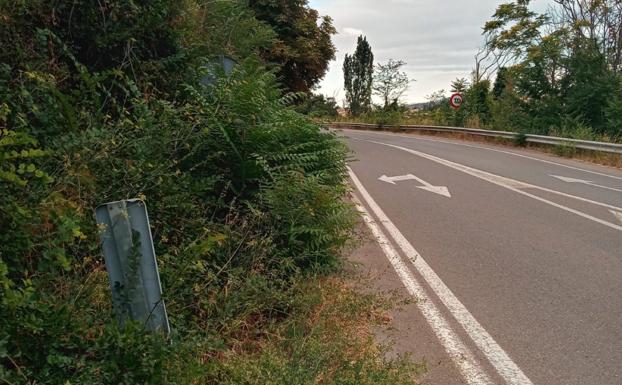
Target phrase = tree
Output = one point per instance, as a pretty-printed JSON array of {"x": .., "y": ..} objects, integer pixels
[
  {"x": 599, "y": 21},
  {"x": 613, "y": 113},
  {"x": 478, "y": 101},
  {"x": 437, "y": 98},
  {"x": 438, "y": 103},
  {"x": 507, "y": 112},
  {"x": 589, "y": 85},
  {"x": 303, "y": 47},
  {"x": 358, "y": 72},
  {"x": 319, "y": 106},
  {"x": 513, "y": 29},
  {"x": 501, "y": 83},
  {"x": 459, "y": 85},
  {"x": 389, "y": 82},
  {"x": 563, "y": 63}
]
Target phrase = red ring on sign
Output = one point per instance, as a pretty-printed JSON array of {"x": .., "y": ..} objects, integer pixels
[{"x": 456, "y": 100}]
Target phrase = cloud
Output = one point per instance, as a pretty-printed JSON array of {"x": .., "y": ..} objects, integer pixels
[{"x": 352, "y": 31}]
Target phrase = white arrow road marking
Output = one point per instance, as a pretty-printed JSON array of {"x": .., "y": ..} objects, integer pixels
[
  {"x": 571, "y": 180},
  {"x": 399, "y": 178},
  {"x": 440, "y": 190},
  {"x": 617, "y": 214},
  {"x": 587, "y": 182},
  {"x": 513, "y": 185},
  {"x": 456, "y": 349}
]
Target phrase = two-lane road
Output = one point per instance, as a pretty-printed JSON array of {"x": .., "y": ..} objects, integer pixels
[{"x": 519, "y": 253}]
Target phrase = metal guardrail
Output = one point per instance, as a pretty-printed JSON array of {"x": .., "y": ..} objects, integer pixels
[{"x": 613, "y": 148}]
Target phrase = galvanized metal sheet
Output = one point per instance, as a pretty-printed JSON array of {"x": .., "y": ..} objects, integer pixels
[{"x": 130, "y": 260}]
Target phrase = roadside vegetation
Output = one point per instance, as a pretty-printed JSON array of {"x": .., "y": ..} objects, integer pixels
[
  {"x": 108, "y": 100},
  {"x": 556, "y": 73}
]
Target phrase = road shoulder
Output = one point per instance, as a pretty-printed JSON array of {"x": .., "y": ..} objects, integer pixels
[{"x": 406, "y": 332}]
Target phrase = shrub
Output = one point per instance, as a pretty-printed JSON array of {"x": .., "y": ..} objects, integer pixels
[
  {"x": 566, "y": 149},
  {"x": 315, "y": 222},
  {"x": 244, "y": 193},
  {"x": 573, "y": 128},
  {"x": 520, "y": 140}
]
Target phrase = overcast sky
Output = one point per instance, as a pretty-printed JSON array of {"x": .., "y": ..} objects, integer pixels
[{"x": 437, "y": 39}]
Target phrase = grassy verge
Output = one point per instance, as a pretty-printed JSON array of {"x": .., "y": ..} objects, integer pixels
[
  {"x": 328, "y": 339},
  {"x": 245, "y": 198}
]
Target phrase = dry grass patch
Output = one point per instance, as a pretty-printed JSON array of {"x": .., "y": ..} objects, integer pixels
[{"x": 329, "y": 339}]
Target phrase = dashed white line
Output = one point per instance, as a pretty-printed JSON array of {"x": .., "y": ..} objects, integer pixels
[{"x": 499, "y": 359}]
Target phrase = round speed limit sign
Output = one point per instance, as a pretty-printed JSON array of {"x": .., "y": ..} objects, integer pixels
[{"x": 456, "y": 100}]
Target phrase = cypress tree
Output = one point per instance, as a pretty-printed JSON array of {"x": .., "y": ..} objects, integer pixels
[{"x": 358, "y": 70}]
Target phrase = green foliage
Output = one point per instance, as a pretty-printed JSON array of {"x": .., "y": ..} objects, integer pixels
[
  {"x": 389, "y": 82},
  {"x": 358, "y": 77},
  {"x": 388, "y": 117},
  {"x": 329, "y": 341},
  {"x": 315, "y": 220},
  {"x": 318, "y": 106},
  {"x": 555, "y": 73},
  {"x": 573, "y": 128},
  {"x": 459, "y": 85},
  {"x": 101, "y": 101},
  {"x": 501, "y": 83},
  {"x": 563, "y": 68},
  {"x": 520, "y": 140},
  {"x": 589, "y": 86},
  {"x": 508, "y": 109},
  {"x": 393, "y": 116},
  {"x": 478, "y": 101},
  {"x": 566, "y": 150},
  {"x": 16, "y": 156},
  {"x": 303, "y": 47},
  {"x": 613, "y": 114},
  {"x": 226, "y": 28},
  {"x": 97, "y": 35},
  {"x": 513, "y": 26}
]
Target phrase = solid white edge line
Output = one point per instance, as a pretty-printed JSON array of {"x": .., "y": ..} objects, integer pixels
[
  {"x": 499, "y": 359},
  {"x": 461, "y": 356},
  {"x": 510, "y": 184},
  {"x": 489, "y": 149}
]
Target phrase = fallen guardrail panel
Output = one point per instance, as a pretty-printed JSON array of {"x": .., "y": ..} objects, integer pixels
[{"x": 131, "y": 264}]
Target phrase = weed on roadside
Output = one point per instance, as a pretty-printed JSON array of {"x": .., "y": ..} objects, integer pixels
[{"x": 329, "y": 340}]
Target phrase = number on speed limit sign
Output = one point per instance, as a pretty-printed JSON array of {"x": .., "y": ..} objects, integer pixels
[{"x": 456, "y": 100}]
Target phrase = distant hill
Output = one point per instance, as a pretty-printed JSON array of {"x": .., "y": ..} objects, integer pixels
[{"x": 422, "y": 106}]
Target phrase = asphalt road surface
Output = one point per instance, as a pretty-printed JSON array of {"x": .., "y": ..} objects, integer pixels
[{"x": 514, "y": 257}]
